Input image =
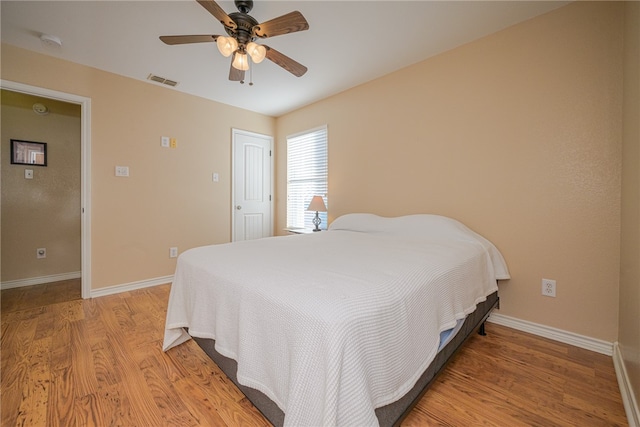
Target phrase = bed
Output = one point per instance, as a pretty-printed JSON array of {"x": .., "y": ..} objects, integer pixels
[{"x": 342, "y": 327}]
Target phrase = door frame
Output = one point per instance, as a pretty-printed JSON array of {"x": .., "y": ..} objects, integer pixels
[
  {"x": 85, "y": 167},
  {"x": 234, "y": 132}
]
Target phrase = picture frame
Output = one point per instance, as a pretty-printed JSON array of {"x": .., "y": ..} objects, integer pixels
[{"x": 28, "y": 153}]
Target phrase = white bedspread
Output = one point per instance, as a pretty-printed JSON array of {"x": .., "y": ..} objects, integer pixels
[{"x": 332, "y": 325}]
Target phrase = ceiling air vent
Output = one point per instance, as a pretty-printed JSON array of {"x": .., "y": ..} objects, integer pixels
[{"x": 162, "y": 80}]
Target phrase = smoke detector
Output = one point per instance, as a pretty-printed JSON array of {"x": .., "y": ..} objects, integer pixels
[
  {"x": 40, "y": 109},
  {"x": 50, "y": 41}
]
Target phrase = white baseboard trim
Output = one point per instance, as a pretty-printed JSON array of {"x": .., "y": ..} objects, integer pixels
[
  {"x": 593, "y": 344},
  {"x": 9, "y": 284},
  {"x": 628, "y": 397},
  {"x": 110, "y": 290}
]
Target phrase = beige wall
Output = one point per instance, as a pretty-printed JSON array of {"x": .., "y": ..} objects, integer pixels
[
  {"x": 169, "y": 198},
  {"x": 629, "y": 321},
  {"x": 518, "y": 135},
  {"x": 43, "y": 212}
]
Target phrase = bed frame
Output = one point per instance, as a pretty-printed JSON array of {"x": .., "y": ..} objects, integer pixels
[{"x": 389, "y": 415}]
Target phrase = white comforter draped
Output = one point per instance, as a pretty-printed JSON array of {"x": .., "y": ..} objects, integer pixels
[{"x": 335, "y": 324}]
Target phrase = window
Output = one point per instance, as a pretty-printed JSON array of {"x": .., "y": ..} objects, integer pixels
[{"x": 307, "y": 172}]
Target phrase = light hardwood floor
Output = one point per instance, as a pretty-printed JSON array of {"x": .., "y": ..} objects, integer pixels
[{"x": 99, "y": 362}]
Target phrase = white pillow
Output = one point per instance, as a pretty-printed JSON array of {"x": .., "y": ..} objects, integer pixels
[{"x": 420, "y": 226}]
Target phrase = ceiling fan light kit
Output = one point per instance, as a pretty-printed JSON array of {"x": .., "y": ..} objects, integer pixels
[
  {"x": 256, "y": 52},
  {"x": 227, "y": 45},
  {"x": 243, "y": 30},
  {"x": 240, "y": 61}
]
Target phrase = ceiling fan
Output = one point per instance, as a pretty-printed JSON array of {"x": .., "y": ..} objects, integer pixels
[{"x": 243, "y": 30}]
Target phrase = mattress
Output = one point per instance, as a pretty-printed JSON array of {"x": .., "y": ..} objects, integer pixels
[{"x": 356, "y": 312}]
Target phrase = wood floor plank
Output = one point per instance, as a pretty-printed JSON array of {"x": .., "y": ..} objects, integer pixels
[
  {"x": 550, "y": 404},
  {"x": 61, "y": 338},
  {"x": 13, "y": 378},
  {"x": 206, "y": 373},
  {"x": 46, "y": 323},
  {"x": 513, "y": 408},
  {"x": 61, "y": 402},
  {"x": 115, "y": 408},
  {"x": 12, "y": 300},
  {"x": 99, "y": 362},
  {"x": 165, "y": 396},
  {"x": 83, "y": 378},
  {"x": 104, "y": 363},
  {"x": 116, "y": 318},
  {"x": 151, "y": 307},
  {"x": 498, "y": 408},
  {"x": 87, "y": 411},
  {"x": 15, "y": 366},
  {"x": 436, "y": 410},
  {"x": 514, "y": 378},
  {"x": 604, "y": 414},
  {"x": 36, "y": 387},
  {"x": 202, "y": 404}
]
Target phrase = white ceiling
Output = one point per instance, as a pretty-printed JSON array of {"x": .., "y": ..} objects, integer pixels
[{"x": 348, "y": 42}]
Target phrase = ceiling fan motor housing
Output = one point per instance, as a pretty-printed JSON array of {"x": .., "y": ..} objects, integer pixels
[{"x": 243, "y": 33}]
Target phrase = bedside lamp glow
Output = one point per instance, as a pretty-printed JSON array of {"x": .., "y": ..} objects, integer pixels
[{"x": 317, "y": 205}]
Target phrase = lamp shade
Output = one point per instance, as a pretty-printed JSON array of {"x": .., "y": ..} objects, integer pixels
[
  {"x": 226, "y": 45},
  {"x": 240, "y": 61},
  {"x": 317, "y": 205}
]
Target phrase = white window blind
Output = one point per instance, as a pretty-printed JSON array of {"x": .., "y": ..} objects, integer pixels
[{"x": 307, "y": 172}]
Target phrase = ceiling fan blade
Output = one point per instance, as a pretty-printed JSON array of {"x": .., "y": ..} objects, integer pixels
[
  {"x": 218, "y": 12},
  {"x": 285, "y": 62},
  {"x": 171, "y": 40},
  {"x": 236, "y": 75},
  {"x": 289, "y": 23}
]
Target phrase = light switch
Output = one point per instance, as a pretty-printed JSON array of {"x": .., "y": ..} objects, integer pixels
[
  {"x": 122, "y": 171},
  {"x": 28, "y": 173},
  {"x": 164, "y": 141},
  {"x": 216, "y": 177}
]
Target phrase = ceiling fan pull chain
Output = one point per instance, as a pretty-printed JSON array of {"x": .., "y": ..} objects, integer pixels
[{"x": 250, "y": 76}]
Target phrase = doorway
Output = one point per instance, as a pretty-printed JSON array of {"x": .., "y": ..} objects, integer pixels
[
  {"x": 252, "y": 186},
  {"x": 85, "y": 172}
]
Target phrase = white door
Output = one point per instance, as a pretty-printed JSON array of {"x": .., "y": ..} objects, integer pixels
[{"x": 251, "y": 185}]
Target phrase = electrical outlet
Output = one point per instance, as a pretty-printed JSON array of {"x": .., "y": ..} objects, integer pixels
[
  {"x": 173, "y": 252},
  {"x": 41, "y": 253},
  {"x": 549, "y": 288}
]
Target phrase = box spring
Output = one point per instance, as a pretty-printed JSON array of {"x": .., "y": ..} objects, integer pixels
[{"x": 389, "y": 415}]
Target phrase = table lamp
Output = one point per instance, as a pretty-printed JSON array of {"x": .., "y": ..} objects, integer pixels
[{"x": 317, "y": 205}]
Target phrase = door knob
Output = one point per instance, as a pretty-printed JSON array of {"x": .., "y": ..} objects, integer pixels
[{"x": 238, "y": 207}]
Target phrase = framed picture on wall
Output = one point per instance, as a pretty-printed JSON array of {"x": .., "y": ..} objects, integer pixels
[{"x": 28, "y": 153}]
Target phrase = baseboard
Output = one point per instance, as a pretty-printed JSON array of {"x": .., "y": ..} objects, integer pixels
[
  {"x": 593, "y": 344},
  {"x": 40, "y": 280},
  {"x": 628, "y": 397},
  {"x": 110, "y": 290}
]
